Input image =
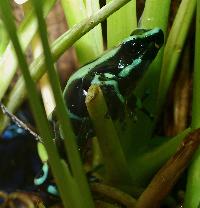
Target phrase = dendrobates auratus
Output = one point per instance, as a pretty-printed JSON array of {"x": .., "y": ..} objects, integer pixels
[{"x": 117, "y": 72}]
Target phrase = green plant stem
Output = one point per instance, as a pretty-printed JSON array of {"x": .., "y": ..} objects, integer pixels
[
  {"x": 192, "y": 198},
  {"x": 45, "y": 88},
  {"x": 26, "y": 31},
  {"x": 173, "y": 48},
  {"x": 147, "y": 163},
  {"x": 88, "y": 23},
  {"x": 121, "y": 24},
  {"x": 62, "y": 176},
  {"x": 62, "y": 114},
  {"x": 117, "y": 171},
  {"x": 75, "y": 11},
  {"x": 152, "y": 14},
  {"x": 196, "y": 77},
  {"x": 91, "y": 8},
  {"x": 3, "y": 38},
  {"x": 18, "y": 93}
]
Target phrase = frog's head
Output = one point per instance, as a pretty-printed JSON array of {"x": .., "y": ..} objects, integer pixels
[
  {"x": 135, "y": 55},
  {"x": 156, "y": 35},
  {"x": 143, "y": 44}
]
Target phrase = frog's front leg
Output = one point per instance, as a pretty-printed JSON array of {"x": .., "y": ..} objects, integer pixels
[
  {"x": 114, "y": 99},
  {"x": 135, "y": 103}
]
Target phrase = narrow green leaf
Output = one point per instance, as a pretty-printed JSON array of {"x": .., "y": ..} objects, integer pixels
[
  {"x": 192, "y": 198},
  {"x": 151, "y": 158},
  {"x": 3, "y": 38},
  {"x": 117, "y": 171},
  {"x": 26, "y": 31},
  {"x": 174, "y": 45},
  {"x": 85, "y": 199},
  {"x": 75, "y": 11},
  {"x": 155, "y": 14},
  {"x": 121, "y": 24},
  {"x": 61, "y": 175},
  {"x": 96, "y": 34}
]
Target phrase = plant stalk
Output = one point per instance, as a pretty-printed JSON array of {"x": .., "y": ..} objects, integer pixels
[
  {"x": 26, "y": 31},
  {"x": 193, "y": 181},
  {"x": 117, "y": 171},
  {"x": 61, "y": 175}
]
